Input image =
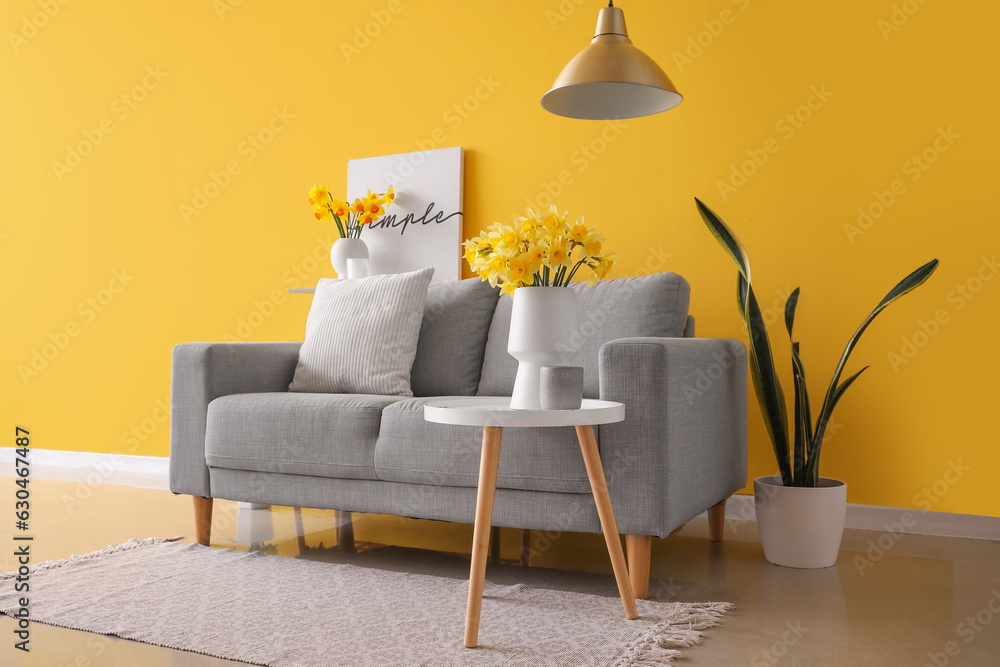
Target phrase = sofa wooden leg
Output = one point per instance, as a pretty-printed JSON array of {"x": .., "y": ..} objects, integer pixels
[
  {"x": 525, "y": 547},
  {"x": 203, "y": 519},
  {"x": 639, "y": 549},
  {"x": 717, "y": 521},
  {"x": 345, "y": 532}
]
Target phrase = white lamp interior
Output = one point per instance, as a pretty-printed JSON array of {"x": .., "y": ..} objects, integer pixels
[{"x": 608, "y": 100}]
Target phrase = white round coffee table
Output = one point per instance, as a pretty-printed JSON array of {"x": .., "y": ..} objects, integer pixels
[{"x": 495, "y": 414}]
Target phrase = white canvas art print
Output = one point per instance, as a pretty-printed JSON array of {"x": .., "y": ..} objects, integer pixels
[{"x": 423, "y": 227}]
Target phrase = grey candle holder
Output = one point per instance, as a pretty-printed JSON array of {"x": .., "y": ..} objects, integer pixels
[{"x": 561, "y": 387}]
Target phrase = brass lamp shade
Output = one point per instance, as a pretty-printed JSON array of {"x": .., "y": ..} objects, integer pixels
[{"x": 611, "y": 78}]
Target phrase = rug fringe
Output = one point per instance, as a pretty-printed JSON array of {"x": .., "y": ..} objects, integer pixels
[
  {"x": 660, "y": 645},
  {"x": 107, "y": 551}
]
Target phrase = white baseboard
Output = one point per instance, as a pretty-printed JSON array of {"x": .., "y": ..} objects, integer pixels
[
  {"x": 874, "y": 517},
  {"x": 149, "y": 472}
]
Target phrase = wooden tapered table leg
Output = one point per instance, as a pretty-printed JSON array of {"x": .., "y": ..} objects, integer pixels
[
  {"x": 489, "y": 463},
  {"x": 493, "y": 414},
  {"x": 595, "y": 471}
]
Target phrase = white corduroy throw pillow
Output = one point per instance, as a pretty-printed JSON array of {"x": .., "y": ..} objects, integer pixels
[{"x": 361, "y": 335}]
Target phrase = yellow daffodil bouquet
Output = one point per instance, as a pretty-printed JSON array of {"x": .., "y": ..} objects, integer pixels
[
  {"x": 350, "y": 218},
  {"x": 538, "y": 251}
]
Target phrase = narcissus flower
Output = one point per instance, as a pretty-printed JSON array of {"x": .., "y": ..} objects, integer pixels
[
  {"x": 536, "y": 254},
  {"x": 578, "y": 233},
  {"x": 319, "y": 194},
  {"x": 508, "y": 288},
  {"x": 528, "y": 225},
  {"x": 537, "y": 251},
  {"x": 350, "y": 218},
  {"x": 503, "y": 239},
  {"x": 551, "y": 222},
  {"x": 518, "y": 270},
  {"x": 607, "y": 264},
  {"x": 340, "y": 208},
  {"x": 559, "y": 251},
  {"x": 495, "y": 268},
  {"x": 470, "y": 255}
]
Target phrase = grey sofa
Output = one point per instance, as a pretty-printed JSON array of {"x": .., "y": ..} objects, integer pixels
[{"x": 238, "y": 433}]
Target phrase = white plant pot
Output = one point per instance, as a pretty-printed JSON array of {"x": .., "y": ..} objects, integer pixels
[
  {"x": 342, "y": 250},
  {"x": 541, "y": 328},
  {"x": 800, "y": 527}
]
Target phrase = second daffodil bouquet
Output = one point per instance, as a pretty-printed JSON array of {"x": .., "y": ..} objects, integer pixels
[
  {"x": 538, "y": 251},
  {"x": 350, "y": 218}
]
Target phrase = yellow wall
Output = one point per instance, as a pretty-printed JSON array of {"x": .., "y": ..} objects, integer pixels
[{"x": 109, "y": 227}]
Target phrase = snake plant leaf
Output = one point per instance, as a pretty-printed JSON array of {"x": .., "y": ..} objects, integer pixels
[
  {"x": 803, "y": 418},
  {"x": 790, "y": 305},
  {"x": 766, "y": 384},
  {"x": 803, "y": 414},
  {"x": 816, "y": 446},
  {"x": 799, "y": 448},
  {"x": 765, "y": 379},
  {"x": 847, "y": 383},
  {"x": 806, "y": 407},
  {"x": 906, "y": 285},
  {"x": 727, "y": 239},
  {"x": 741, "y": 298}
]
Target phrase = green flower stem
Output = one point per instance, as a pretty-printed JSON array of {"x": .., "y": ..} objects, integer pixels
[
  {"x": 575, "y": 269},
  {"x": 340, "y": 225}
]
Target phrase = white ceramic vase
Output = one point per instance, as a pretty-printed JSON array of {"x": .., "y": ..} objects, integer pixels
[
  {"x": 541, "y": 329},
  {"x": 342, "y": 250},
  {"x": 800, "y": 526}
]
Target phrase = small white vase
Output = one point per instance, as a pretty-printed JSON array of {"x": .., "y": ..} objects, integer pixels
[
  {"x": 800, "y": 526},
  {"x": 542, "y": 323},
  {"x": 342, "y": 250}
]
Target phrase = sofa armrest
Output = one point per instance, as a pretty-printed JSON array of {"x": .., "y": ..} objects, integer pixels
[
  {"x": 200, "y": 373},
  {"x": 683, "y": 445}
]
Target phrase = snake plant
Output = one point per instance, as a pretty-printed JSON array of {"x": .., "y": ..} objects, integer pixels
[{"x": 800, "y": 467}]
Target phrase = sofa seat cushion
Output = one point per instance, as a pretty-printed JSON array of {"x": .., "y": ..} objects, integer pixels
[
  {"x": 325, "y": 435},
  {"x": 412, "y": 450},
  {"x": 655, "y": 305}
]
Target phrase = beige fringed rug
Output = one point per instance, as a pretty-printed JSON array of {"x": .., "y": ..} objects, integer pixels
[{"x": 271, "y": 610}]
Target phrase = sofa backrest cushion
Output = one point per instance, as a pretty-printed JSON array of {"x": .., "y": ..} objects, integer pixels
[
  {"x": 654, "y": 305},
  {"x": 452, "y": 339}
]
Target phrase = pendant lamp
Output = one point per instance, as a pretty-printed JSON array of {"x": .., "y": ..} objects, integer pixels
[{"x": 611, "y": 78}]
